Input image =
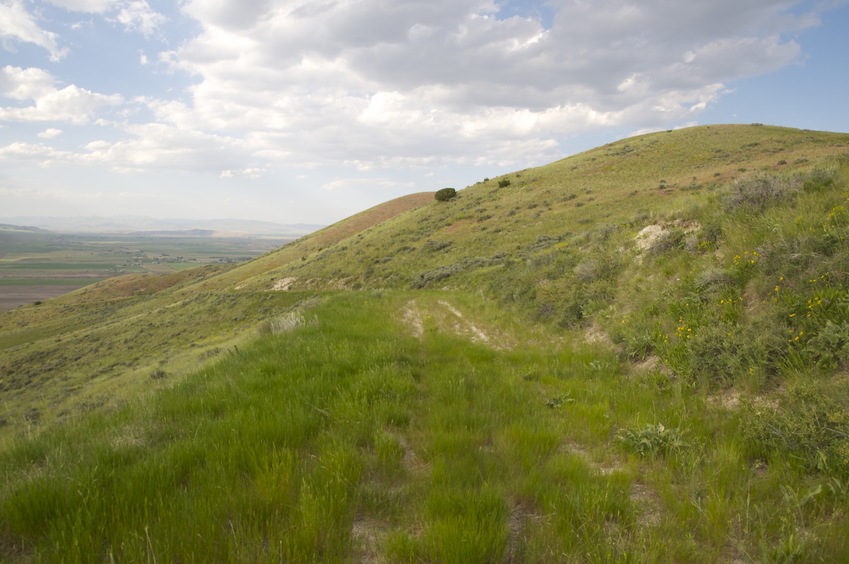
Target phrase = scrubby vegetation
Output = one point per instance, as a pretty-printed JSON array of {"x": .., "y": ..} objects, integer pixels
[
  {"x": 445, "y": 194},
  {"x": 635, "y": 354}
]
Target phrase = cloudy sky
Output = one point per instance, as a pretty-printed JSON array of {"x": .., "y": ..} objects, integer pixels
[{"x": 306, "y": 111}]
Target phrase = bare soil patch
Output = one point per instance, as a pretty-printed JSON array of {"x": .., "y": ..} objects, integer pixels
[
  {"x": 594, "y": 335},
  {"x": 367, "y": 535},
  {"x": 465, "y": 327},
  {"x": 412, "y": 319},
  {"x": 649, "y": 503},
  {"x": 522, "y": 517},
  {"x": 284, "y": 284},
  {"x": 650, "y": 235},
  {"x": 447, "y": 318}
]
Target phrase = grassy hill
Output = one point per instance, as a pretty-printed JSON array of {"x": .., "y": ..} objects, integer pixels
[{"x": 635, "y": 353}]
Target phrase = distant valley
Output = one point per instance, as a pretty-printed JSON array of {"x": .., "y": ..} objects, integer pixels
[
  {"x": 42, "y": 258},
  {"x": 149, "y": 225}
]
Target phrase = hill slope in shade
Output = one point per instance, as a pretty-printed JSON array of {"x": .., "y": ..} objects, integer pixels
[{"x": 638, "y": 352}]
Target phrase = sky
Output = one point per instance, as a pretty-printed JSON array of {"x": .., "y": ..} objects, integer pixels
[{"x": 308, "y": 111}]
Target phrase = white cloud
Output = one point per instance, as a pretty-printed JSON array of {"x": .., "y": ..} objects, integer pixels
[
  {"x": 25, "y": 84},
  {"x": 49, "y": 103},
  {"x": 16, "y": 24},
  {"x": 253, "y": 173},
  {"x": 381, "y": 84},
  {"x": 50, "y": 133},
  {"x": 43, "y": 155},
  {"x": 166, "y": 146},
  {"x": 90, "y": 6},
  {"x": 249, "y": 173},
  {"x": 136, "y": 15},
  {"x": 358, "y": 183},
  {"x": 377, "y": 83}
]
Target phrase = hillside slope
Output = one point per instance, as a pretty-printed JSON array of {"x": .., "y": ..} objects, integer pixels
[
  {"x": 653, "y": 175},
  {"x": 635, "y": 353},
  {"x": 315, "y": 243},
  {"x": 521, "y": 237},
  {"x": 126, "y": 336}
]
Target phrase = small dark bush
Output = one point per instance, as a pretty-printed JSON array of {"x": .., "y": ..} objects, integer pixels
[
  {"x": 434, "y": 246},
  {"x": 440, "y": 273},
  {"x": 503, "y": 183},
  {"x": 445, "y": 194}
]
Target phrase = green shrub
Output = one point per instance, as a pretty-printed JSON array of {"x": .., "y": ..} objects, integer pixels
[
  {"x": 830, "y": 347},
  {"x": 820, "y": 179},
  {"x": 809, "y": 426},
  {"x": 445, "y": 194},
  {"x": 709, "y": 236},
  {"x": 719, "y": 346},
  {"x": 653, "y": 440}
]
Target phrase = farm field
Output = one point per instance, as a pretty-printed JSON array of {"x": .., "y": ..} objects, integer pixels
[{"x": 36, "y": 264}]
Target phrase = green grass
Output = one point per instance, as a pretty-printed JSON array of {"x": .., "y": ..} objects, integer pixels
[
  {"x": 84, "y": 356},
  {"x": 349, "y": 438},
  {"x": 508, "y": 376}
]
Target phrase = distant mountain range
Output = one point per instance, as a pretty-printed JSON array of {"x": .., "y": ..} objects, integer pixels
[{"x": 170, "y": 227}]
